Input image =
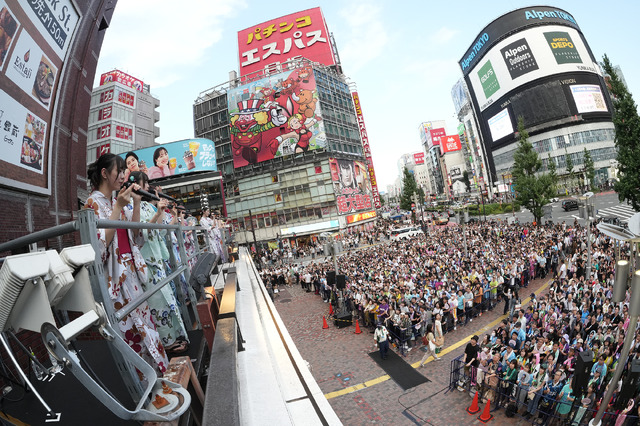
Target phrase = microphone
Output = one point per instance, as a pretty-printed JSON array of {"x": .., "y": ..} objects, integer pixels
[{"x": 147, "y": 195}]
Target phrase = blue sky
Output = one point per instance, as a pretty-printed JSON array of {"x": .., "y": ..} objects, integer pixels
[{"x": 403, "y": 56}]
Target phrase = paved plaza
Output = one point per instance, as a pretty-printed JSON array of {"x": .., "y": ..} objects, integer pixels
[{"x": 359, "y": 390}]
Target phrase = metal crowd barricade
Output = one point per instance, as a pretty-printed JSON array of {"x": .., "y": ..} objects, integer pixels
[
  {"x": 87, "y": 224},
  {"x": 505, "y": 396}
]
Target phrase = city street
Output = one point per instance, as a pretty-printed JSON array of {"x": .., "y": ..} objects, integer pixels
[{"x": 606, "y": 205}]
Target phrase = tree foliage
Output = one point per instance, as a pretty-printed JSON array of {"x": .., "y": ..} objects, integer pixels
[
  {"x": 466, "y": 181},
  {"x": 409, "y": 187},
  {"x": 534, "y": 189},
  {"x": 627, "y": 125},
  {"x": 553, "y": 172},
  {"x": 588, "y": 168}
]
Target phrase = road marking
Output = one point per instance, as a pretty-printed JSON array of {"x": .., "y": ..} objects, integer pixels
[{"x": 416, "y": 364}]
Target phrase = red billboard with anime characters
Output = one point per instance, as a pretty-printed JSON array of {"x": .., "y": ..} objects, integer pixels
[
  {"x": 275, "y": 116},
  {"x": 302, "y": 34}
]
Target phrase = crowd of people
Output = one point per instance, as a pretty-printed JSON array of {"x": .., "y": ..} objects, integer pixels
[
  {"x": 138, "y": 260},
  {"x": 420, "y": 289}
]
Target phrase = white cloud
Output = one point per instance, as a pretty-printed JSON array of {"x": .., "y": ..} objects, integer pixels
[
  {"x": 443, "y": 35},
  {"x": 181, "y": 34},
  {"x": 366, "y": 37}
]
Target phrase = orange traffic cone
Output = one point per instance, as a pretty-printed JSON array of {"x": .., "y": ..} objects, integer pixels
[
  {"x": 486, "y": 414},
  {"x": 358, "y": 328},
  {"x": 474, "y": 408},
  {"x": 330, "y": 309},
  {"x": 324, "y": 322}
]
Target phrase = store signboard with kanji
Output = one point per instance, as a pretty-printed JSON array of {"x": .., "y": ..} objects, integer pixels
[
  {"x": 351, "y": 185},
  {"x": 267, "y": 45}
]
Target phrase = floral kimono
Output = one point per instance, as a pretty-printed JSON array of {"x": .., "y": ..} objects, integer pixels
[{"x": 125, "y": 274}]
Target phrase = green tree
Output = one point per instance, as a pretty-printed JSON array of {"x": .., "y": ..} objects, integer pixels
[
  {"x": 534, "y": 189},
  {"x": 588, "y": 169},
  {"x": 627, "y": 125},
  {"x": 569, "y": 166},
  {"x": 409, "y": 187},
  {"x": 553, "y": 173},
  {"x": 466, "y": 181}
]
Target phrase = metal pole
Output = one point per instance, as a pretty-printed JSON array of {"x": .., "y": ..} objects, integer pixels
[
  {"x": 588, "y": 268},
  {"x": 334, "y": 251},
  {"x": 613, "y": 384},
  {"x": 253, "y": 232}
]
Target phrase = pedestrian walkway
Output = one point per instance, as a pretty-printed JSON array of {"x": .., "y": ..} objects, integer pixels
[
  {"x": 358, "y": 389},
  {"x": 622, "y": 211}
]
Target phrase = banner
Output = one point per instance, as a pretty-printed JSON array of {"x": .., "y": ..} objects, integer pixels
[
  {"x": 418, "y": 158},
  {"x": 436, "y": 135},
  {"x": 122, "y": 78},
  {"x": 351, "y": 185},
  {"x": 174, "y": 158},
  {"x": 450, "y": 143},
  {"x": 367, "y": 150},
  {"x": 265, "y": 46}
]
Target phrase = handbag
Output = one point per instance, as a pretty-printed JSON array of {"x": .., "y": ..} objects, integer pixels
[
  {"x": 425, "y": 341},
  {"x": 439, "y": 341}
]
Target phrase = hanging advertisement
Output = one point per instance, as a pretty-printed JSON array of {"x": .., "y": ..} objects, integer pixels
[
  {"x": 274, "y": 117},
  {"x": 351, "y": 185},
  {"x": 265, "y": 46},
  {"x": 175, "y": 158},
  {"x": 34, "y": 40},
  {"x": 122, "y": 78},
  {"x": 366, "y": 148},
  {"x": 418, "y": 158},
  {"x": 450, "y": 143}
]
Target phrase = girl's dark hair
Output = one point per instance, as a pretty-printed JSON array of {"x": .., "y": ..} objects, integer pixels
[
  {"x": 105, "y": 161},
  {"x": 156, "y": 155},
  {"x": 139, "y": 177},
  {"x": 131, "y": 154}
]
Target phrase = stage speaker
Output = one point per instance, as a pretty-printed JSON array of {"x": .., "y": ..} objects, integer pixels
[
  {"x": 343, "y": 320},
  {"x": 331, "y": 277},
  {"x": 584, "y": 362},
  {"x": 341, "y": 282},
  {"x": 629, "y": 384}
]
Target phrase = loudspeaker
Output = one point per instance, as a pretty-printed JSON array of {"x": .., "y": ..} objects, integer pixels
[
  {"x": 629, "y": 384},
  {"x": 584, "y": 362},
  {"x": 341, "y": 282},
  {"x": 331, "y": 277},
  {"x": 343, "y": 320}
]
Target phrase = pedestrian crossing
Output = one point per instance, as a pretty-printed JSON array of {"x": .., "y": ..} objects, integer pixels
[{"x": 621, "y": 211}]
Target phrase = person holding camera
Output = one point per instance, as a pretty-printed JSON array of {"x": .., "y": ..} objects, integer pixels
[{"x": 381, "y": 337}]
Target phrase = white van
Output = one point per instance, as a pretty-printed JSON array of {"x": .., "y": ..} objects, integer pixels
[{"x": 408, "y": 232}]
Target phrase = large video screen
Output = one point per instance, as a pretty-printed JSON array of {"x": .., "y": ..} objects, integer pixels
[
  {"x": 527, "y": 56},
  {"x": 275, "y": 116},
  {"x": 351, "y": 185}
]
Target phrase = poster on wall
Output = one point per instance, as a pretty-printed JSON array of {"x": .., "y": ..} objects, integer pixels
[
  {"x": 35, "y": 37},
  {"x": 351, "y": 185},
  {"x": 274, "y": 117}
]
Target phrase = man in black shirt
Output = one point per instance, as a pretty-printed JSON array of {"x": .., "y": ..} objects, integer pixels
[{"x": 471, "y": 358}]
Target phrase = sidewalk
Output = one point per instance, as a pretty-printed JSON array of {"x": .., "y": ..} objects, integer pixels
[{"x": 358, "y": 390}]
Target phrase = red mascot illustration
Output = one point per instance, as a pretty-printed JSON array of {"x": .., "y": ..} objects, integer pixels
[{"x": 247, "y": 126}]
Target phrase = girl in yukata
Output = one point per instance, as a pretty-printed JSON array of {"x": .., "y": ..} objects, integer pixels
[
  {"x": 125, "y": 267},
  {"x": 209, "y": 224},
  {"x": 163, "y": 304}
]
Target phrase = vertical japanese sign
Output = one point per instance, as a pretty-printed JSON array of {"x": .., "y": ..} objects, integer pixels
[
  {"x": 351, "y": 185},
  {"x": 34, "y": 40},
  {"x": 367, "y": 150},
  {"x": 303, "y": 34}
]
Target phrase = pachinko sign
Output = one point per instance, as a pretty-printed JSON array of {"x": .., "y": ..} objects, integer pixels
[
  {"x": 366, "y": 149},
  {"x": 302, "y": 34},
  {"x": 122, "y": 78},
  {"x": 351, "y": 185},
  {"x": 275, "y": 116}
]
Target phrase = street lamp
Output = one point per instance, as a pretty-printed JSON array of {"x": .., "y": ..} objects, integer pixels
[
  {"x": 619, "y": 292},
  {"x": 586, "y": 211}
]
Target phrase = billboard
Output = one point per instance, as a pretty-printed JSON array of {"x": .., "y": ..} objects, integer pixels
[
  {"x": 123, "y": 78},
  {"x": 353, "y": 218},
  {"x": 418, "y": 158},
  {"x": 459, "y": 96},
  {"x": 450, "y": 143},
  {"x": 275, "y": 116},
  {"x": 175, "y": 158},
  {"x": 267, "y": 45},
  {"x": 366, "y": 150},
  {"x": 527, "y": 56},
  {"x": 35, "y": 40},
  {"x": 351, "y": 185},
  {"x": 436, "y": 135}
]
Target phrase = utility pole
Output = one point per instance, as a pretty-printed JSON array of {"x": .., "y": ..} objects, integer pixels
[{"x": 253, "y": 232}]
